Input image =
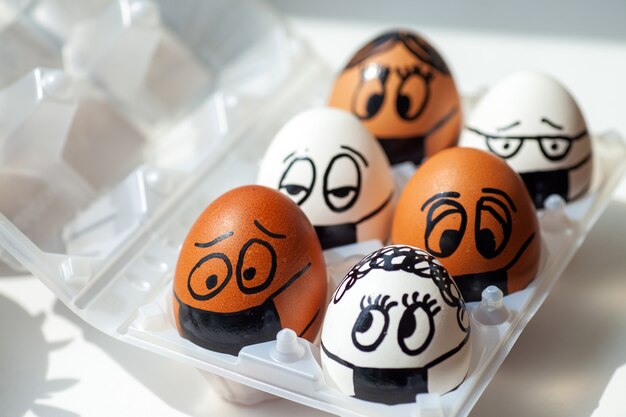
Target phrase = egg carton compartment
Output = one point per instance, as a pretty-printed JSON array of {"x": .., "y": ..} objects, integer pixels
[
  {"x": 99, "y": 212},
  {"x": 134, "y": 303},
  {"x": 290, "y": 367},
  {"x": 22, "y": 47},
  {"x": 73, "y": 149},
  {"x": 156, "y": 60}
]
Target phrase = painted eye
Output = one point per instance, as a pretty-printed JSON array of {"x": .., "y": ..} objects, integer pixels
[
  {"x": 413, "y": 95},
  {"x": 209, "y": 276},
  {"x": 493, "y": 226},
  {"x": 256, "y": 266},
  {"x": 417, "y": 325},
  {"x": 298, "y": 179},
  {"x": 342, "y": 183},
  {"x": 370, "y": 327},
  {"x": 504, "y": 147},
  {"x": 555, "y": 148},
  {"x": 445, "y": 227},
  {"x": 369, "y": 96}
]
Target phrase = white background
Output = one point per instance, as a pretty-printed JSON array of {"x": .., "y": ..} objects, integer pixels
[{"x": 53, "y": 365}]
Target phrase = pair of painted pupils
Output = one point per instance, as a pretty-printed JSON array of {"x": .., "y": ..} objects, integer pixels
[
  {"x": 446, "y": 223},
  {"x": 341, "y": 181},
  {"x": 372, "y": 324},
  {"x": 252, "y": 277},
  {"x": 370, "y": 94}
]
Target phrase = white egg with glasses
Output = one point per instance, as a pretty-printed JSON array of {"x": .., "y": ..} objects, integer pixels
[{"x": 531, "y": 120}]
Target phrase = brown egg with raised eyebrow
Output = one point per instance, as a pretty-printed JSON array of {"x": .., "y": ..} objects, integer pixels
[
  {"x": 250, "y": 266},
  {"x": 471, "y": 211},
  {"x": 402, "y": 90}
]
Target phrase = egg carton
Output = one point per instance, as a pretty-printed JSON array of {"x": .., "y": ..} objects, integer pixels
[{"x": 104, "y": 166}]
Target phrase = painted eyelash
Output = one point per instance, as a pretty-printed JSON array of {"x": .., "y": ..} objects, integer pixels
[
  {"x": 379, "y": 301},
  {"x": 404, "y": 73},
  {"x": 426, "y": 304}
]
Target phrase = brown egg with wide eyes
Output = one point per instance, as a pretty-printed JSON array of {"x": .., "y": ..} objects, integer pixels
[
  {"x": 250, "y": 266},
  {"x": 471, "y": 211},
  {"x": 403, "y": 92}
]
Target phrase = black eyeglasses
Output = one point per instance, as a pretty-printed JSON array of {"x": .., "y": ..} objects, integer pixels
[{"x": 553, "y": 147}]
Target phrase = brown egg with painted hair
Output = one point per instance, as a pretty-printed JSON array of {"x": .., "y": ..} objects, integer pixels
[
  {"x": 471, "y": 211},
  {"x": 403, "y": 91},
  {"x": 250, "y": 266}
]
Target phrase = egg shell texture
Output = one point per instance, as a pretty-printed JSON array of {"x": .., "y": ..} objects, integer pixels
[
  {"x": 531, "y": 120},
  {"x": 395, "y": 327},
  {"x": 469, "y": 209},
  {"x": 253, "y": 262},
  {"x": 402, "y": 90},
  {"x": 327, "y": 162}
]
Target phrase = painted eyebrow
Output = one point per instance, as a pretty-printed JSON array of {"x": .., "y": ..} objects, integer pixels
[
  {"x": 214, "y": 241},
  {"x": 551, "y": 123},
  {"x": 357, "y": 153},
  {"x": 267, "y": 232},
  {"x": 507, "y": 127},
  {"x": 438, "y": 196},
  {"x": 501, "y": 193},
  {"x": 289, "y": 156},
  {"x": 292, "y": 154}
]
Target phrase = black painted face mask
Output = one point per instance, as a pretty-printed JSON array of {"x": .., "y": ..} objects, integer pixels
[
  {"x": 411, "y": 149},
  {"x": 472, "y": 285},
  {"x": 336, "y": 235},
  {"x": 229, "y": 332},
  {"x": 392, "y": 385},
  {"x": 404, "y": 149},
  {"x": 331, "y": 236},
  {"x": 542, "y": 184},
  {"x": 389, "y": 386}
]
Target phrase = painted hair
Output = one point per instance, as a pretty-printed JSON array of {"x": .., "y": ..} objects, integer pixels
[
  {"x": 402, "y": 258},
  {"x": 412, "y": 42}
]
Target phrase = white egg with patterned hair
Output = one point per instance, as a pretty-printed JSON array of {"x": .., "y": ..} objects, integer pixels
[
  {"x": 396, "y": 327},
  {"x": 329, "y": 164},
  {"x": 533, "y": 122}
]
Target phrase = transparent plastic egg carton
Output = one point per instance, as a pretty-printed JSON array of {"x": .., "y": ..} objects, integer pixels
[{"x": 120, "y": 121}]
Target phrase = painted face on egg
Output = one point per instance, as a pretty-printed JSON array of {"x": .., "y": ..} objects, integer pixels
[
  {"x": 532, "y": 122},
  {"x": 250, "y": 266},
  {"x": 396, "y": 326},
  {"x": 327, "y": 162},
  {"x": 402, "y": 90},
  {"x": 471, "y": 211}
]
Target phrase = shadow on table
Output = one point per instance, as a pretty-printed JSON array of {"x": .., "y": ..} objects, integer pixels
[
  {"x": 24, "y": 364},
  {"x": 569, "y": 350},
  {"x": 177, "y": 385}
]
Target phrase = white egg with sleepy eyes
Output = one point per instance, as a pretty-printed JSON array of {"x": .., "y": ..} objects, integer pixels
[
  {"x": 329, "y": 164},
  {"x": 533, "y": 122},
  {"x": 396, "y": 327}
]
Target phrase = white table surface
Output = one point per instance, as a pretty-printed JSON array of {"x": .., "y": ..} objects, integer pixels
[{"x": 53, "y": 365}]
